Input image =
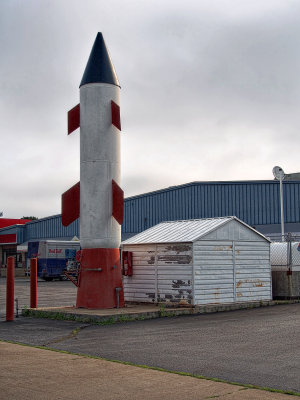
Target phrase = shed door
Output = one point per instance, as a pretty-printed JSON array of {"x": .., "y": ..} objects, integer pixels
[
  {"x": 252, "y": 271},
  {"x": 214, "y": 272}
]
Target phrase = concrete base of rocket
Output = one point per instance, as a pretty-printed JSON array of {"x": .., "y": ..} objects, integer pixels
[{"x": 100, "y": 279}]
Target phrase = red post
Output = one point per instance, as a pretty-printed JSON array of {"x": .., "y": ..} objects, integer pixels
[
  {"x": 10, "y": 288},
  {"x": 33, "y": 283}
]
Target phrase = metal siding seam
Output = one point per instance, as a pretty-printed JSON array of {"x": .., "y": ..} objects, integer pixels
[
  {"x": 212, "y": 200},
  {"x": 272, "y": 201},
  {"x": 259, "y": 191},
  {"x": 288, "y": 202},
  {"x": 193, "y": 273},
  {"x": 184, "y": 203},
  {"x": 244, "y": 203},
  {"x": 253, "y": 204},
  {"x": 248, "y": 197},
  {"x": 297, "y": 202},
  {"x": 271, "y": 288},
  {"x": 194, "y": 200},
  {"x": 131, "y": 227},
  {"x": 234, "y": 270},
  {"x": 139, "y": 216},
  {"x": 267, "y": 205},
  {"x": 177, "y": 205},
  {"x": 277, "y": 204},
  {"x": 205, "y": 200},
  {"x": 226, "y": 200},
  {"x": 156, "y": 275},
  {"x": 191, "y": 202},
  {"x": 292, "y": 202},
  {"x": 286, "y": 192},
  {"x": 216, "y": 205},
  {"x": 196, "y": 204},
  {"x": 230, "y": 201}
]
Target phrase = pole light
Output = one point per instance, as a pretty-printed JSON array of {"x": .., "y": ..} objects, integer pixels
[{"x": 279, "y": 175}]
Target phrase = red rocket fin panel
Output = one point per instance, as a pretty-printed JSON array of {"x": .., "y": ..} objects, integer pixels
[
  {"x": 70, "y": 205},
  {"x": 115, "y": 115},
  {"x": 73, "y": 119},
  {"x": 118, "y": 202}
]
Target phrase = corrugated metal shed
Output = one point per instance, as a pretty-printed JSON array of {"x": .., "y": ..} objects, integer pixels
[
  {"x": 221, "y": 260},
  {"x": 255, "y": 202}
]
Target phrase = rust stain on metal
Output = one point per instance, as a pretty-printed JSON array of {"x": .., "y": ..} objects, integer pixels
[
  {"x": 258, "y": 283},
  {"x": 222, "y": 248},
  {"x": 239, "y": 283},
  {"x": 239, "y": 294}
]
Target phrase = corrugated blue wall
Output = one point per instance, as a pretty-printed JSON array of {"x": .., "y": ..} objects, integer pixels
[
  {"x": 255, "y": 202},
  {"x": 50, "y": 228}
]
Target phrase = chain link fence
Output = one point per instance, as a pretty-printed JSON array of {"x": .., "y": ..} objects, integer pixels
[{"x": 286, "y": 255}]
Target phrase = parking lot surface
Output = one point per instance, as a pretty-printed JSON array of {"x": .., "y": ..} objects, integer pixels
[
  {"x": 257, "y": 346},
  {"x": 55, "y": 293}
]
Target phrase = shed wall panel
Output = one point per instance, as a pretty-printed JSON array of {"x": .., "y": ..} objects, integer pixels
[
  {"x": 161, "y": 273},
  {"x": 253, "y": 272},
  {"x": 213, "y": 272},
  {"x": 231, "y": 271}
]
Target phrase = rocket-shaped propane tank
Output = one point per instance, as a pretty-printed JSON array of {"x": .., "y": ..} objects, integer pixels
[{"x": 101, "y": 199}]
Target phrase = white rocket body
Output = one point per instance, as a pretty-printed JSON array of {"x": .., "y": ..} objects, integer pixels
[
  {"x": 99, "y": 165},
  {"x": 98, "y": 198}
]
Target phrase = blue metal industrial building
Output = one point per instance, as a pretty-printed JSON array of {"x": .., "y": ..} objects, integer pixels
[{"x": 255, "y": 202}]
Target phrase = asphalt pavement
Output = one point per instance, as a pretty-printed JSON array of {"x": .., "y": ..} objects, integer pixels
[{"x": 258, "y": 347}]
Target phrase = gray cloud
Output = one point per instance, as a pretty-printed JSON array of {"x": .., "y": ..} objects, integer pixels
[{"x": 210, "y": 91}]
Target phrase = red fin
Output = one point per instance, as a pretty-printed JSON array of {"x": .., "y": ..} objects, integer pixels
[
  {"x": 70, "y": 205},
  {"x": 115, "y": 115},
  {"x": 118, "y": 202},
  {"x": 74, "y": 119}
]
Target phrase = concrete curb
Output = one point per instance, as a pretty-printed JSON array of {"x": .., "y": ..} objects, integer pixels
[{"x": 138, "y": 312}]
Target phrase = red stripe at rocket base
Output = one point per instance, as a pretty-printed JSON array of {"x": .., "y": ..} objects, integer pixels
[{"x": 100, "y": 280}]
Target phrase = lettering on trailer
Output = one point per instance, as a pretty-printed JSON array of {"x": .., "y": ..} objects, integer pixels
[{"x": 55, "y": 251}]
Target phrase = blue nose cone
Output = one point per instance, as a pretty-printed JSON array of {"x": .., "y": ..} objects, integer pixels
[{"x": 99, "y": 68}]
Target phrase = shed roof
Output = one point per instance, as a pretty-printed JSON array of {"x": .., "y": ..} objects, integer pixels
[{"x": 182, "y": 231}]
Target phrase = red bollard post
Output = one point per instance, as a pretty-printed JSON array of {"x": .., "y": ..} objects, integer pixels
[
  {"x": 33, "y": 283},
  {"x": 10, "y": 289}
]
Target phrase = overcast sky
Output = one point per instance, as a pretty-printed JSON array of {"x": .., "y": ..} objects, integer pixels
[{"x": 210, "y": 91}]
